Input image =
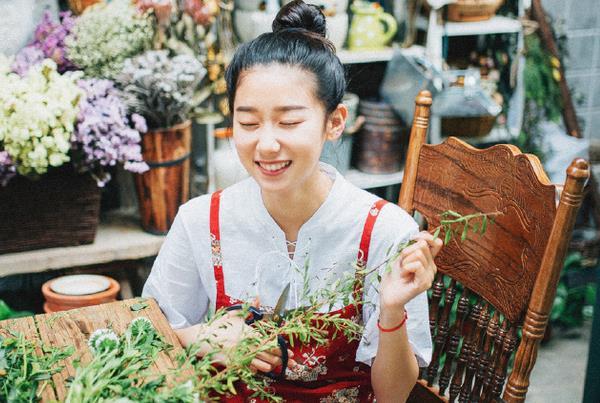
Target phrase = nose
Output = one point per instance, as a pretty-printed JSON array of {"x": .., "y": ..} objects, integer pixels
[{"x": 267, "y": 142}]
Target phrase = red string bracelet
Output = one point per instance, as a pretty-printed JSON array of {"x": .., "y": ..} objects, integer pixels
[{"x": 393, "y": 329}]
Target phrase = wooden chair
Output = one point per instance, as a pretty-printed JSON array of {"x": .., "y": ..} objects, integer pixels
[{"x": 501, "y": 284}]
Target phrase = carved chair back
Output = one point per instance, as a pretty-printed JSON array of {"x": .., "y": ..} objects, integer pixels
[{"x": 490, "y": 301}]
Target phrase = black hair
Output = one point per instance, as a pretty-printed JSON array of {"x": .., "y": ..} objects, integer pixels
[{"x": 298, "y": 39}]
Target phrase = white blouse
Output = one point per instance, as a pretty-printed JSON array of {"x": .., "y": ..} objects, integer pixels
[{"x": 256, "y": 260}]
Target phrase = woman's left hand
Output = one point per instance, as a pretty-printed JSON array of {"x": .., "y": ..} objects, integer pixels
[{"x": 411, "y": 274}]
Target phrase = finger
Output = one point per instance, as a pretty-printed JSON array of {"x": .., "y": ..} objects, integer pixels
[
  {"x": 419, "y": 243},
  {"x": 435, "y": 245},
  {"x": 420, "y": 254},
  {"x": 411, "y": 268},
  {"x": 260, "y": 365},
  {"x": 422, "y": 276},
  {"x": 274, "y": 360}
]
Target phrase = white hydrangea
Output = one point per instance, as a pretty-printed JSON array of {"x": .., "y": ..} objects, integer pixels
[{"x": 37, "y": 115}]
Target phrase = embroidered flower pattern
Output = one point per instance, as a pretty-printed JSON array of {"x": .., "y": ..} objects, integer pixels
[
  {"x": 313, "y": 365},
  {"x": 215, "y": 247},
  {"x": 349, "y": 395}
]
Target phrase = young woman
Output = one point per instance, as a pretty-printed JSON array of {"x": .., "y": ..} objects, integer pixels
[{"x": 297, "y": 217}]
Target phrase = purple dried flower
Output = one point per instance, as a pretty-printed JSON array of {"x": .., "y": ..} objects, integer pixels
[
  {"x": 104, "y": 136},
  {"x": 139, "y": 122},
  {"x": 49, "y": 39},
  {"x": 27, "y": 57},
  {"x": 7, "y": 168}
]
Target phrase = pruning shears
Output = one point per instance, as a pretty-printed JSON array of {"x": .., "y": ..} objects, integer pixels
[{"x": 277, "y": 316}]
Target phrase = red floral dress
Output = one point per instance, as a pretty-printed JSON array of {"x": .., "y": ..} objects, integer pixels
[{"x": 327, "y": 373}]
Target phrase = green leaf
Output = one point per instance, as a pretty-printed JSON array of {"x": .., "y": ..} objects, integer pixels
[
  {"x": 436, "y": 234},
  {"x": 465, "y": 231},
  {"x": 138, "y": 307},
  {"x": 447, "y": 237},
  {"x": 484, "y": 225}
]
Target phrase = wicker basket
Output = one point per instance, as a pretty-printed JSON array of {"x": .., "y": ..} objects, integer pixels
[
  {"x": 60, "y": 209},
  {"x": 78, "y": 6},
  {"x": 473, "y": 10},
  {"x": 468, "y": 127}
]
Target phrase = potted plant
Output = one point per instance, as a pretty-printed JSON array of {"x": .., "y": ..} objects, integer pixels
[
  {"x": 167, "y": 87},
  {"x": 161, "y": 88},
  {"x": 57, "y": 127}
]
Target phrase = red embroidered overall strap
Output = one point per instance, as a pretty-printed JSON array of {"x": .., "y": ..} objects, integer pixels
[
  {"x": 215, "y": 243},
  {"x": 365, "y": 241}
]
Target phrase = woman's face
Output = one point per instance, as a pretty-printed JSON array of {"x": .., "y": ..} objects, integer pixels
[{"x": 279, "y": 126}]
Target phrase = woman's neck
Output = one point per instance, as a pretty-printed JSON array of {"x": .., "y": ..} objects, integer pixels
[{"x": 291, "y": 210}]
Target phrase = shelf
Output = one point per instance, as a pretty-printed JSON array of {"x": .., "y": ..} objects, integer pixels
[
  {"x": 495, "y": 25},
  {"x": 118, "y": 238},
  {"x": 365, "y": 56},
  {"x": 368, "y": 181}
]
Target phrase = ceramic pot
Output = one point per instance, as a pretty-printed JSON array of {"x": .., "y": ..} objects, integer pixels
[
  {"x": 250, "y": 24},
  {"x": 249, "y": 5},
  {"x": 337, "y": 29},
  {"x": 228, "y": 167},
  {"x": 16, "y": 24},
  {"x": 371, "y": 27},
  {"x": 56, "y": 302}
]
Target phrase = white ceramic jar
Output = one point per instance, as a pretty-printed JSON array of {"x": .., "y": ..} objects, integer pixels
[{"x": 16, "y": 24}]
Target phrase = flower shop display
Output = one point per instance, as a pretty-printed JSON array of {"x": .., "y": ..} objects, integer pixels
[
  {"x": 57, "y": 127},
  {"x": 80, "y": 95},
  {"x": 162, "y": 89}
]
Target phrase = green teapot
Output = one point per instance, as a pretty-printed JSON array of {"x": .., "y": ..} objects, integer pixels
[{"x": 371, "y": 27}]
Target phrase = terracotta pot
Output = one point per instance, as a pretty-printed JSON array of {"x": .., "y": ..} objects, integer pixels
[
  {"x": 166, "y": 186},
  {"x": 56, "y": 302}
]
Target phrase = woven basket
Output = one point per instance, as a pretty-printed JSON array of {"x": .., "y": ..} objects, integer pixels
[
  {"x": 78, "y": 6},
  {"x": 473, "y": 10},
  {"x": 468, "y": 127},
  {"x": 60, "y": 209}
]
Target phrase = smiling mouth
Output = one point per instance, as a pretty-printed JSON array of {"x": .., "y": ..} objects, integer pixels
[{"x": 273, "y": 167}]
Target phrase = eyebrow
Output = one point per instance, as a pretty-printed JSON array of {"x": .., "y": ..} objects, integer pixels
[{"x": 286, "y": 108}]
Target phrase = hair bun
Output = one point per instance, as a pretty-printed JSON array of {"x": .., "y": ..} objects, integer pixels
[{"x": 298, "y": 14}]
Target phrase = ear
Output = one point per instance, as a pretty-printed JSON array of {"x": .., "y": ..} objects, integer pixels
[{"x": 336, "y": 122}]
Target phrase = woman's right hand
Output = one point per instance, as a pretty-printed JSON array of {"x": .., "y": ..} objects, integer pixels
[{"x": 225, "y": 333}]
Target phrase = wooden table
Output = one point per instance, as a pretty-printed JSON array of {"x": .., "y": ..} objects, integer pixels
[{"x": 73, "y": 328}]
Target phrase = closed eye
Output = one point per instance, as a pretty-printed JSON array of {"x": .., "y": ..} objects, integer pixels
[
  {"x": 290, "y": 123},
  {"x": 248, "y": 124}
]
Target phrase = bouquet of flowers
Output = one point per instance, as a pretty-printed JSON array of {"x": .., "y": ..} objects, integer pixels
[
  {"x": 105, "y": 35},
  {"x": 53, "y": 119},
  {"x": 48, "y": 42},
  {"x": 161, "y": 88}
]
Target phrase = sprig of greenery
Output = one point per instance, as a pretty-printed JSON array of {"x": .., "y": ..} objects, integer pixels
[
  {"x": 452, "y": 225},
  {"x": 23, "y": 373}
]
